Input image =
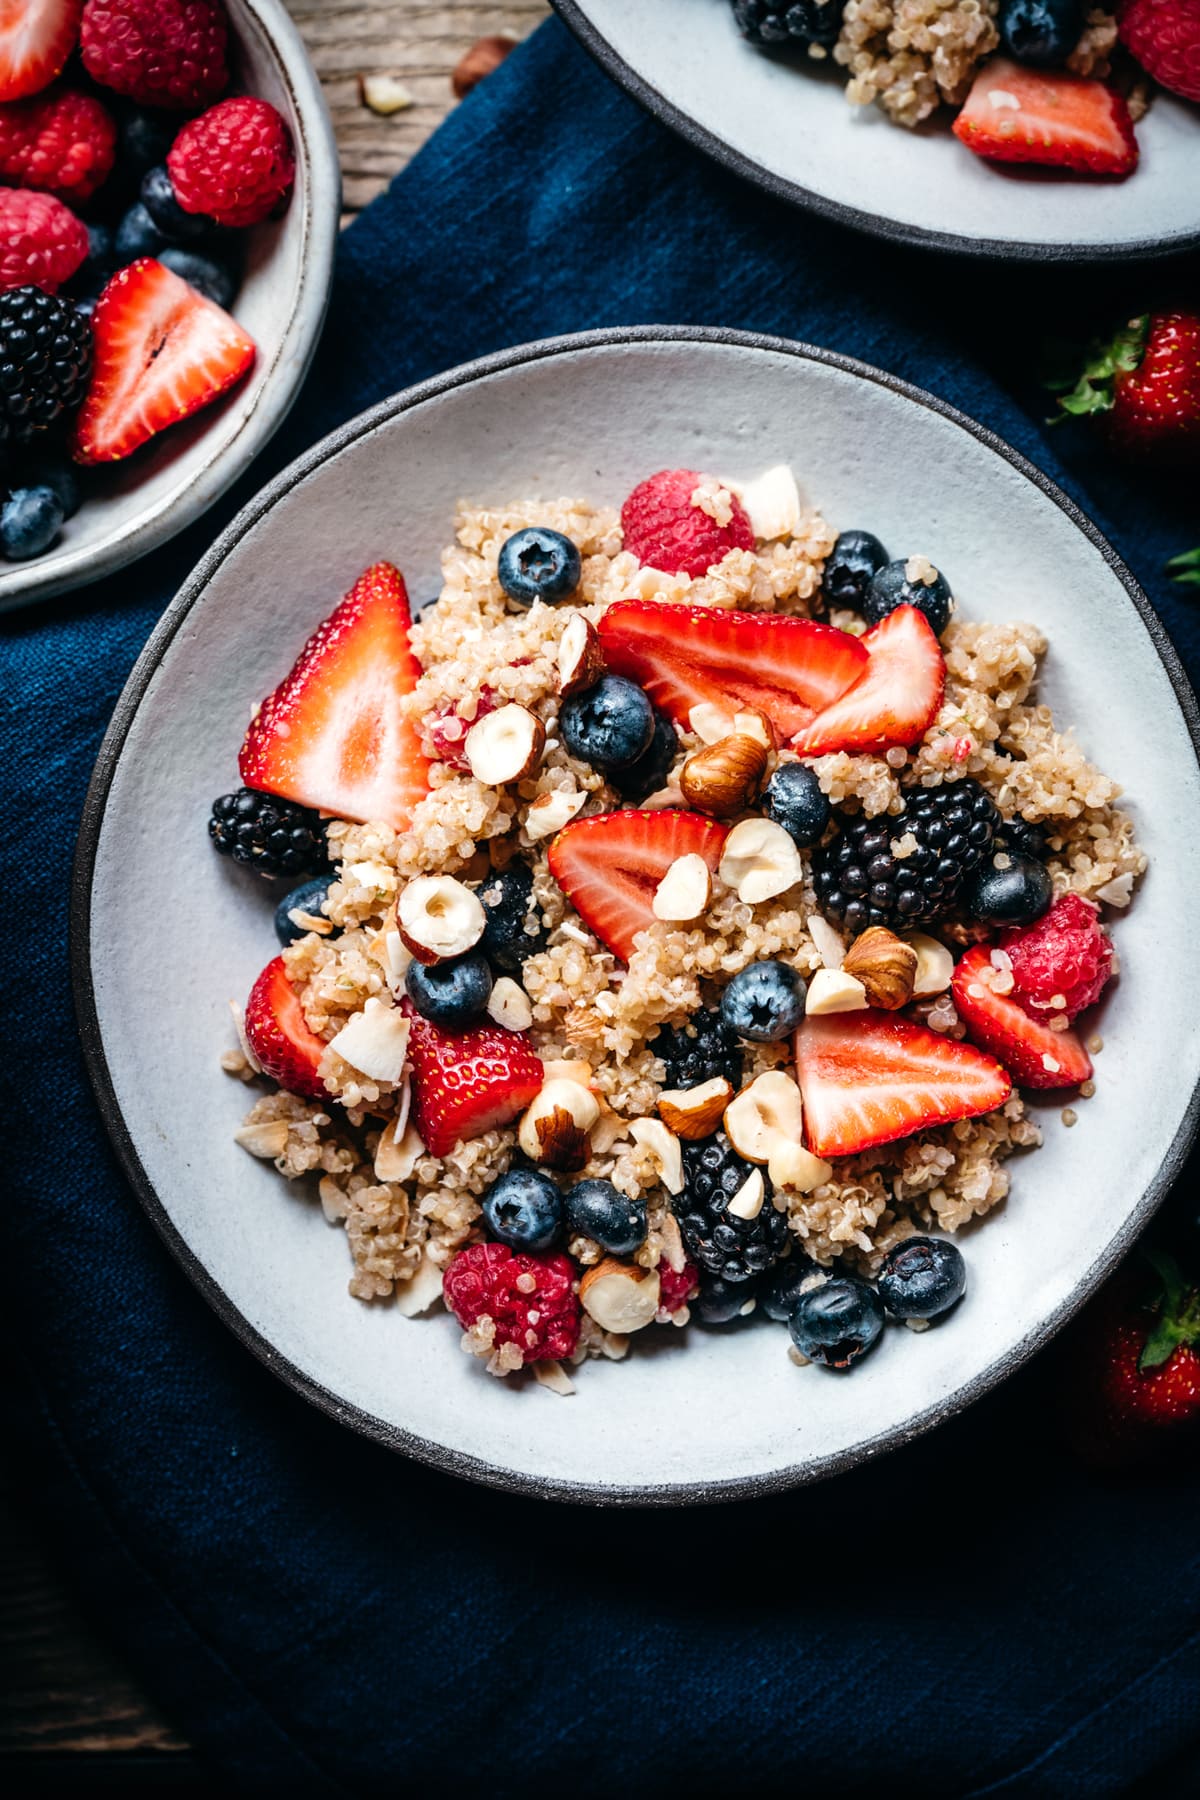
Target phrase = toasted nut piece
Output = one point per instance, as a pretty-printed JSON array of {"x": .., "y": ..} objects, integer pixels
[
  {"x": 550, "y": 812},
  {"x": 723, "y": 778},
  {"x": 684, "y": 891},
  {"x": 267, "y": 1139},
  {"x": 833, "y": 991},
  {"x": 755, "y": 725},
  {"x": 663, "y": 1145},
  {"x": 772, "y": 503},
  {"x": 580, "y": 658},
  {"x": 695, "y": 1112},
  {"x": 420, "y": 1291},
  {"x": 484, "y": 56},
  {"x": 620, "y": 1296},
  {"x": 829, "y": 945},
  {"x": 885, "y": 965},
  {"x": 508, "y": 1005},
  {"x": 790, "y": 1165},
  {"x": 769, "y": 1108},
  {"x": 374, "y": 1041},
  {"x": 438, "y": 916},
  {"x": 552, "y": 1375},
  {"x": 935, "y": 965},
  {"x": 760, "y": 861},
  {"x": 383, "y": 94},
  {"x": 747, "y": 1203},
  {"x": 710, "y": 722},
  {"x": 505, "y": 745},
  {"x": 554, "y": 1129}
]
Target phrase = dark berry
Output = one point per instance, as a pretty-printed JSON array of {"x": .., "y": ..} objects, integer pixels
[
  {"x": 764, "y": 1002},
  {"x": 860, "y": 881},
  {"x": 722, "y": 1242},
  {"x": 922, "y": 1278},
  {"x": 610, "y": 726},
  {"x": 650, "y": 771},
  {"x": 137, "y": 235},
  {"x": 596, "y": 1210},
  {"x": 514, "y": 928},
  {"x": 145, "y": 136},
  {"x": 836, "y": 1324},
  {"x": 1016, "y": 894},
  {"x": 524, "y": 1210},
  {"x": 158, "y": 197},
  {"x": 890, "y": 587},
  {"x": 794, "y": 799},
  {"x": 537, "y": 564},
  {"x": 59, "y": 476},
  {"x": 272, "y": 836},
  {"x": 723, "y": 1302},
  {"x": 210, "y": 278},
  {"x": 782, "y": 22},
  {"x": 1024, "y": 837},
  {"x": 699, "y": 1050},
  {"x": 848, "y": 570},
  {"x": 30, "y": 521},
  {"x": 1042, "y": 33},
  {"x": 309, "y": 898},
  {"x": 780, "y": 1289},
  {"x": 98, "y": 265},
  {"x": 45, "y": 363},
  {"x": 452, "y": 994}
]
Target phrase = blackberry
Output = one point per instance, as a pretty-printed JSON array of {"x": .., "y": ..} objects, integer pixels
[
  {"x": 1023, "y": 838},
  {"x": 860, "y": 881},
  {"x": 723, "y": 1244},
  {"x": 274, "y": 836},
  {"x": 45, "y": 361},
  {"x": 789, "y": 21},
  {"x": 698, "y": 1050}
]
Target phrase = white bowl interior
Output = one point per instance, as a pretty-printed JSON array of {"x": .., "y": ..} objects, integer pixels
[
  {"x": 792, "y": 120},
  {"x": 175, "y": 931}
]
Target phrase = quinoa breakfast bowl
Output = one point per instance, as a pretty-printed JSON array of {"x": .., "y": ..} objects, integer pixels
[{"x": 710, "y": 939}]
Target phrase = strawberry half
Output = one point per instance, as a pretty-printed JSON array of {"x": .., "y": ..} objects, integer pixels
[
  {"x": 36, "y": 38},
  {"x": 870, "y": 1077},
  {"x": 162, "y": 352},
  {"x": 1018, "y": 114},
  {"x": 279, "y": 1036},
  {"x": 786, "y": 668},
  {"x": 894, "y": 701},
  {"x": 609, "y": 866},
  {"x": 467, "y": 1083},
  {"x": 332, "y": 735},
  {"x": 1034, "y": 1056}
]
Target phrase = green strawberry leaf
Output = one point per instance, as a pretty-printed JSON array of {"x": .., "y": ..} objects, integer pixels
[
  {"x": 1178, "y": 1309},
  {"x": 1093, "y": 392},
  {"x": 1185, "y": 568},
  {"x": 1159, "y": 1347}
]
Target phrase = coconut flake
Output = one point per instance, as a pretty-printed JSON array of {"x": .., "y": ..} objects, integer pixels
[{"x": 375, "y": 1042}]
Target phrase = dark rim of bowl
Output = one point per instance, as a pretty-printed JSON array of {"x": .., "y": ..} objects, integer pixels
[
  {"x": 702, "y": 138},
  {"x": 394, "y": 1437}
]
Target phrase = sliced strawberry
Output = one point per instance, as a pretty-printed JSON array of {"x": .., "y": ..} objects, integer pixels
[
  {"x": 468, "y": 1083},
  {"x": 1014, "y": 113},
  {"x": 786, "y": 668},
  {"x": 1034, "y": 1056},
  {"x": 870, "y": 1077},
  {"x": 279, "y": 1036},
  {"x": 162, "y": 352},
  {"x": 894, "y": 701},
  {"x": 36, "y": 38},
  {"x": 332, "y": 735},
  {"x": 609, "y": 866}
]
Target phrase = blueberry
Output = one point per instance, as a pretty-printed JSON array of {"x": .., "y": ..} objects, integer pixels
[
  {"x": 780, "y": 1289},
  {"x": 210, "y": 278},
  {"x": 764, "y": 1002},
  {"x": 30, "y": 522},
  {"x": 59, "y": 477},
  {"x": 854, "y": 559},
  {"x": 536, "y": 564},
  {"x": 507, "y": 900},
  {"x": 309, "y": 897},
  {"x": 794, "y": 799},
  {"x": 610, "y": 726},
  {"x": 524, "y": 1210},
  {"x": 891, "y": 588},
  {"x": 722, "y": 1302},
  {"x": 158, "y": 197},
  {"x": 836, "y": 1324},
  {"x": 450, "y": 994},
  {"x": 98, "y": 264},
  {"x": 922, "y": 1278},
  {"x": 650, "y": 771},
  {"x": 596, "y": 1210},
  {"x": 1015, "y": 895},
  {"x": 1041, "y": 32},
  {"x": 137, "y": 235},
  {"x": 144, "y": 137}
]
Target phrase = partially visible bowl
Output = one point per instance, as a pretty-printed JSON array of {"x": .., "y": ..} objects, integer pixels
[{"x": 132, "y": 508}]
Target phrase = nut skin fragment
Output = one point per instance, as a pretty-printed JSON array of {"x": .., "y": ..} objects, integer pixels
[
  {"x": 505, "y": 745},
  {"x": 684, "y": 892},
  {"x": 935, "y": 965},
  {"x": 508, "y": 1005},
  {"x": 723, "y": 778},
  {"x": 833, "y": 991},
  {"x": 550, "y": 812},
  {"x": 483, "y": 56},
  {"x": 580, "y": 658},
  {"x": 619, "y": 1296},
  {"x": 438, "y": 917},
  {"x": 695, "y": 1113},
  {"x": 885, "y": 965},
  {"x": 554, "y": 1130},
  {"x": 760, "y": 861}
]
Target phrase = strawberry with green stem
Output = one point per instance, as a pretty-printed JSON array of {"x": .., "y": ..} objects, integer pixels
[
  {"x": 1134, "y": 1386},
  {"x": 1185, "y": 568},
  {"x": 1144, "y": 385}
]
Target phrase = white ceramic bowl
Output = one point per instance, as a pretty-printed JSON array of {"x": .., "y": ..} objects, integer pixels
[
  {"x": 788, "y": 126},
  {"x": 131, "y": 509},
  {"x": 690, "y": 1415}
]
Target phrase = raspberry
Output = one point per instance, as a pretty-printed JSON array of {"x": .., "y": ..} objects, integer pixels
[
  {"x": 447, "y": 731},
  {"x": 1065, "y": 953},
  {"x": 666, "y": 531},
  {"x": 675, "y": 1290},
  {"x": 1164, "y": 35},
  {"x": 234, "y": 163},
  {"x": 63, "y": 143},
  {"x": 168, "y": 53},
  {"x": 491, "y": 1281},
  {"x": 41, "y": 242}
]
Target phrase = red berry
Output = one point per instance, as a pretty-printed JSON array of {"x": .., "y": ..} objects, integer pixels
[
  {"x": 676, "y": 1289},
  {"x": 1065, "y": 954},
  {"x": 529, "y": 1299},
  {"x": 448, "y": 732},
  {"x": 36, "y": 38},
  {"x": 1133, "y": 1373},
  {"x": 1023, "y": 115},
  {"x": 279, "y": 1034},
  {"x": 1164, "y": 35},
  {"x": 1144, "y": 384},
  {"x": 168, "y": 53},
  {"x": 63, "y": 143},
  {"x": 666, "y": 531},
  {"x": 234, "y": 163},
  {"x": 467, "y": 1082},
  {"x": 41, "y": 242}
]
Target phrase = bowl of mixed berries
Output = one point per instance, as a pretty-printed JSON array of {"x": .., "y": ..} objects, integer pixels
[{"x": 168, "y": 211}]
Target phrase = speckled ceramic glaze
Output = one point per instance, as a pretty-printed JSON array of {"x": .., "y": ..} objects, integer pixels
[
  {"x": 162, "y": 942},
  {"x": 787, "y": 125},
  {"x": 131, "y": 508}
]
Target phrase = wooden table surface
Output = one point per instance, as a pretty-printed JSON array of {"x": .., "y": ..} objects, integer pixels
[{"x": 71, "y": 1714}]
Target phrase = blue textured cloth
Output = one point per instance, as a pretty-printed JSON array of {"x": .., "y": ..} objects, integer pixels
[{"x": 314, "y": 1611}]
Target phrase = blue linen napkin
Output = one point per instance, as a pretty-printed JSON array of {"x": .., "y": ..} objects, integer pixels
[{"x": 972, "y": 1615}]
